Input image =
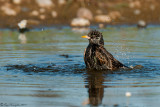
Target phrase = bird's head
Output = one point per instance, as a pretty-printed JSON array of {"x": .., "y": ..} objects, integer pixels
[{"x": 94, "y": 37}]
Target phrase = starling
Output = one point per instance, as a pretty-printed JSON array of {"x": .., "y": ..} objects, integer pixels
[{"x": 96, "y": 57}]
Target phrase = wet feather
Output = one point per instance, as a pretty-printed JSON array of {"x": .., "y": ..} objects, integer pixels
[{"x": 97, "y": 57}]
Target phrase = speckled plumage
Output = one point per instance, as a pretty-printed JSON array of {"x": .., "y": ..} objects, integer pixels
[{"x": 96, "y": 56}]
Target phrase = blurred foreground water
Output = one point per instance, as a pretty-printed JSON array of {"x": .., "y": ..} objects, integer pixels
[{"x": 45, "y": 68}]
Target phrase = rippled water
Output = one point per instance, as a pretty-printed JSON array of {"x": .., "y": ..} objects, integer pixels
[{"x": 45, "y": 68}]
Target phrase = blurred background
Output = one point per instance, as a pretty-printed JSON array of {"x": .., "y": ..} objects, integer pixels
[{"x": 86, "y": 12}]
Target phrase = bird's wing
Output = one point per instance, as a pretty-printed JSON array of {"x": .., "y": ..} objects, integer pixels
[
  {"x": 107, "y": 59},
  {"x": 103, "y": 60}
]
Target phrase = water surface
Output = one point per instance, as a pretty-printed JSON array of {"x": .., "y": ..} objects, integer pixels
[{"x": 45, "y": 68}]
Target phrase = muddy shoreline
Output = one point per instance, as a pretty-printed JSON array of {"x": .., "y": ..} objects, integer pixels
[{"x": 127, "y": 12}]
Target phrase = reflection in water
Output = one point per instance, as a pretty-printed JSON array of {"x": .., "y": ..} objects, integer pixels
[
  {"x": 22, "y": 37},
  {"x": 95, "y": 87}
]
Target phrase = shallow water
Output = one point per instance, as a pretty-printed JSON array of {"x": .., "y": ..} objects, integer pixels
[{"x": 45, "y": 68}]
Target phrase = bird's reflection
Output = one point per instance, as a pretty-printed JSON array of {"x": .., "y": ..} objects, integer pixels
[
  {"x": 22, "y": 37},
  {"x": 95, "y": 87}
]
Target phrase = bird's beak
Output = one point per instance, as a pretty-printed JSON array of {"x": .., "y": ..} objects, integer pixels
[{"x": 85, "y": 36}]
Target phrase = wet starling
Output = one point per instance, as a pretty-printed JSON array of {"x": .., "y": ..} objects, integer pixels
[{"x": 96, "y": 57}]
